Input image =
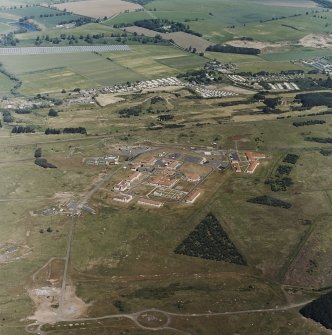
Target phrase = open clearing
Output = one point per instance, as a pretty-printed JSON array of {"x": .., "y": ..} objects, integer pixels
[
  {"x": 317, "y": 41},
  {"x": 263, "y": 46},
  {"x": 99, "y": 8},
  {"x": 108, "y": 99}
]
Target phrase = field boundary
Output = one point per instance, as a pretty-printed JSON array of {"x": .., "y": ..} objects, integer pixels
[{"x": 62, "y": 50}]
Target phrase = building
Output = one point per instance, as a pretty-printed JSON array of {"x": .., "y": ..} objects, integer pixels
[
  {"x": 193, "y": 196},
  {"x": 123, "y": 185},
  {"x": 253, "y": 156},
  {"x": 148, "y": 202},
  {"x": 149, "y": 161},
  {"x": 172, "y": 165},
  {"x": 103, "y": 161},
  {"x": 162, "y": 181},
  {"x": 252, "y": 166},
  {"x": 193, "y": 177},
  {"x": 237, "y": 167},
  {"x": 135, "y": 166},
  {"x": 125, "y": 198}
]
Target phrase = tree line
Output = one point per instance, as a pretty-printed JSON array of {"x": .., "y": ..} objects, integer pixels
[
  {"x": 233, "y": 50},
  {"x": 308, "y": 123},
  {"x": 270, "y": 201},
  {"x": 71, "y": 130}
]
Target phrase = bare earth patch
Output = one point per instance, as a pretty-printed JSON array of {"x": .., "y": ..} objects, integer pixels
[
  {"x": 235, "y": 89},
  {"x": 317, "y": 41},
  {"x": 263, "y": 46},
  {"x": 99, "y": 8},
  {"x": 108, "y": 99}
]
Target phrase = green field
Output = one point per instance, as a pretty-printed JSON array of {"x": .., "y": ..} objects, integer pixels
[
  {"x": 50, "y": 73},
  {"x": 54, "y": 16},
  {"x": 291, "y": 29}
]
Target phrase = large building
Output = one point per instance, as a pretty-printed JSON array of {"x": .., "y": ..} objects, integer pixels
[
  {"x": 125, "y": 198},
  {"x": 162, "y": 181},
  {"x": 253, "y": 159},
  {"x": 149, "y": 202}
]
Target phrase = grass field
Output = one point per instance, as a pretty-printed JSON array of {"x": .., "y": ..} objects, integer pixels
[
  {"x": 88, "y": 70},
  {"x": 117, "y": 265},
  {"x": 37, "y": 11},
  {"x": 290, "y": 29}
]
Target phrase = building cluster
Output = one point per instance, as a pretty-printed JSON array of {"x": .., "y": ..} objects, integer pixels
[
  {"x": 222, "y": 68},
  {"x": 249, "y": 164},
  {"x": 160, "y": 176},
  {"x": 132, "y": 87},
  {"x": 210, "y": 93},
  {"x": 102, "y": 161},
  {"x": 321, "y": 64},
  {"x": 276, "y": 82}
]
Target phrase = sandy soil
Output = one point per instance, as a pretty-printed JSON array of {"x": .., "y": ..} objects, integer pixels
[
  {"x": 108, "y": 99},
  {"x": 46, "y": 297},
  {"x": 317, "y": 41},
  {"x": 98, "y": 8},
  {"x": 263, "y": 46}
]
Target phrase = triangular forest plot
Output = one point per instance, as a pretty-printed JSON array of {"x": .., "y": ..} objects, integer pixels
[{"x": 209, "y": 241}]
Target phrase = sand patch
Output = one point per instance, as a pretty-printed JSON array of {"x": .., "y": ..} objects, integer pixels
[
  {"x": 263, "y": 46},
  {"x": 318, "y": 41},
  {"x": 108, "y": 99}
]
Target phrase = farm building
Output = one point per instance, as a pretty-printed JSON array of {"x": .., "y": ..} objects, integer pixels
[
  {"x": 193, "y": 196},
  {"x": 148, "y": 202}
]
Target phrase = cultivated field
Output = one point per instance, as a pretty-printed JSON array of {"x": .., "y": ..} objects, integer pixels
[
  {"x": 99, "y": 8},
  {"x": 182, "y": 39}
]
